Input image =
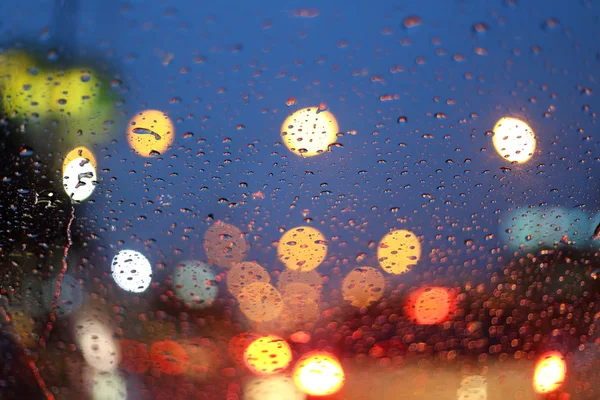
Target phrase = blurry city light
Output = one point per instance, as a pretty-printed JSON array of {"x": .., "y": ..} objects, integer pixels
[
  {"x": 131, "y": 270},
  {"x": 363, "y": 286},
  {"x": 238, "y": 344},
  {"x": 109, "y": 386},
  {"x": 302, "y": 248},
  {"x": 195, "y": 283},
  {"x": 514, "y": 140},
  {"x": 243, "y": 274},
  {"x": 25, "y": 87},
  {"x": 224, "y": 245},
  {"x": 318, "y": 374},
  {"x": 150, "y": 133},
  {"x": 399, "y": 251},
  {"x": 99, "y": 348},
  {"x": 431, "y": 305},
  {"x": 309, "y": 132},
  {"x": 80, "y": 152},
  {"x": 260, "y": 301},
  {"x": 550, "y": 372},
  {"x": 135, "y": 356},
  {"x": 533, "y": 228},
  {"x": 169, "y": 357},
  {"x": 79, "y": 179},
  {"x": 75, "y": 91},
  {"x": 312, "y": 278},
  {"x": 274, "y": 387},
  {"x": 268, "y": 355}
]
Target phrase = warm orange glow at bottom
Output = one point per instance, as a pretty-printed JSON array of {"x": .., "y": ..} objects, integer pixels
[
  {"x": 550, "y": 373},
  {"x": 318, "y": 374}
]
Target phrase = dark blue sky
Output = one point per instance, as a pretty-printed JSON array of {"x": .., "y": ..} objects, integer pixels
[{"x": 257, "y": 55}]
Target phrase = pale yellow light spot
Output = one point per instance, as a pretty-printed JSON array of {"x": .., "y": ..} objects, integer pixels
[
  {"x": 514, "y": 140},
  {"x": 398, "y": 252},
  {"x": 150, "y": 133},
  {"x": 363, "y": 286},
  {"x": 260, "y": 301},
  {"x": 75, "y": 92},
  {"x": 243, "y": 274},
  {"x": 311, "y": 278},
  {"x": 25, "y": 87},
  {"x": 302, "y": 248},
  {"x": 309, "y": 132}
]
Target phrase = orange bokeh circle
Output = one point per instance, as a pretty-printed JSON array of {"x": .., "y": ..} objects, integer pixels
[
  {"x": 431, "y": 305},
  {"x": 170, "y": 357},
  {"x": 150, "y": 133}
]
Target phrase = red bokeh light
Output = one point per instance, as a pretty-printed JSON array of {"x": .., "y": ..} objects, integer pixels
[
  {"x": 431, "y": 305},
  {"x": 170, "y": 357},
  {"x": 135, "y": 357}
]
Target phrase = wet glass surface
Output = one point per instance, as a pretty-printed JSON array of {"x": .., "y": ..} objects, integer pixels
[{"x": 299, "y": 200}]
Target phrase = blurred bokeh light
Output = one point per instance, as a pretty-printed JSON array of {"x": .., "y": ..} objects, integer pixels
[
  {"x": 514, "y": 140},
  {"x": 399, "y": 251},
  {"x": 302, "y": 248},
  {"x": 318, "y": 374},
  {"x": 268, "y": 355},
  {"x": 309, "y": 131},
  {"x": 131, "y": 270},
  {"x": 150, "y": 133}
]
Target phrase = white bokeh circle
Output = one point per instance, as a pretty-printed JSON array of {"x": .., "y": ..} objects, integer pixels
[
  {"x": 276, "y": 387},
  {"x": 109, "y": 386},
  {"x": 99, "y": 348},
  {"x": 195, "y": 283},
  {"x": 79, "y": 179},
  {"x": 131, "y": 270}
]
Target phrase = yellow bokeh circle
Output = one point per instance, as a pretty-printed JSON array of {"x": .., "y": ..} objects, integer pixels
[
  {"x": 243, "y": 274},
  {"x": 318, "y": 374},
  {"x": 75, "y": 92},
  {"x": 25, "y": 87},
  {"x": 399, "y": 251},
  {"x": 268, "y": 355},
  {"x": 302, "y": 248},
  {"x": 311, "y": 278},
  {"x": 80, "y": 152},
  {"x": 150, "y": 133},
  {"x": 363, "y": 286},
  {"x": 309, "y": 132},
  {"x": 514, "y": 140},
  {"x": 260, "y": 301}
]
